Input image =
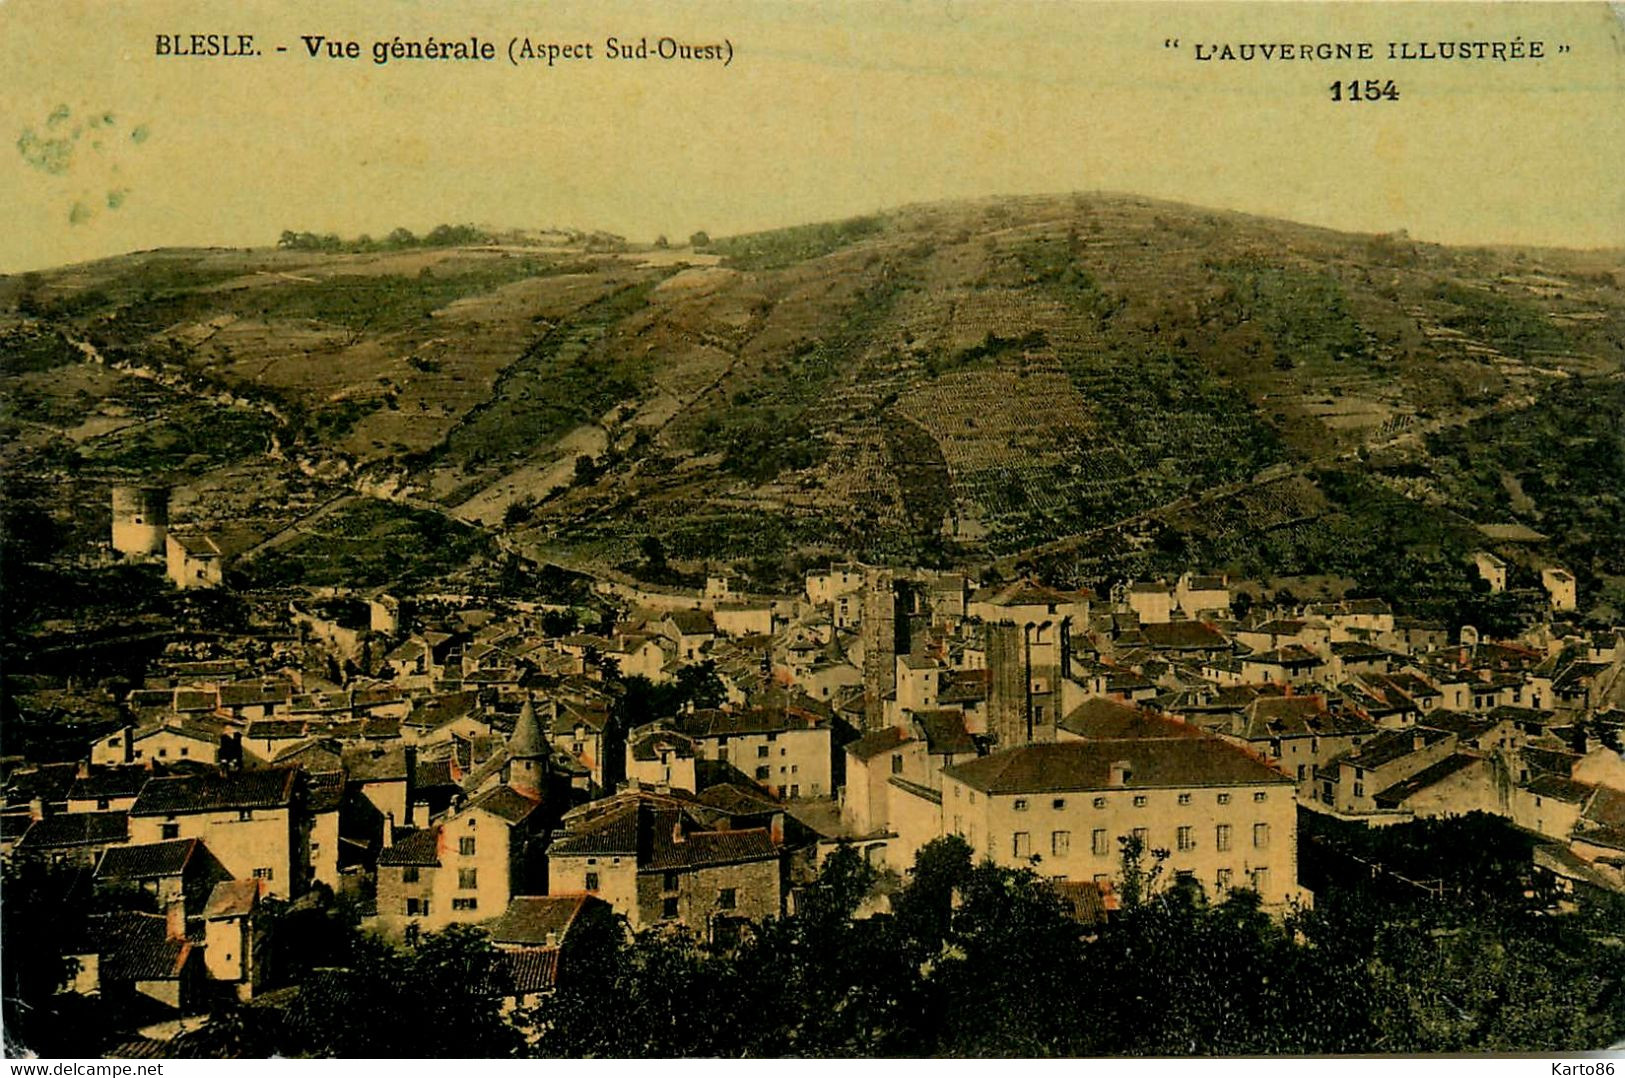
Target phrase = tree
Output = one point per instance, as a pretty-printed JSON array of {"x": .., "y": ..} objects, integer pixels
[{"x": 699, "y": 240}]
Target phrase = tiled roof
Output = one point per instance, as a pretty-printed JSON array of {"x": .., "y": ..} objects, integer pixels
[
  {"x": 880, "y": 741},
  {"x": 1559, "y": 788},
  {"x": 370, "y": 763},
  {"x": 326, "y": 791},
  {"x": 646, "y": 744},
  {"x": 1184, "y": 636},
  {"x": 275, "y": 730},
  {"x": 109, "y": 782},
  {"x": 615, "y": 835},
  {"x": 945, "y": 733},
  {"x": 146, "y": 860},
  {"x": 420, "y": 848},
  {"x": 1399, "y": 792},
  {"x": 76, "y": 829},
  {"x": 535, "y": 920},
  {"x": 217, "y": 792},
  {"x": 232, "y": 898},
  {"x": 1084, "y": 900},
  {"x": 532, "y": 969},
  {"x": 699, "y": 849},
  {"x": 1100, "y": 719},
  {"x": 1086, "y": 765},
  {"x": 711, "y": 722},
  {"x": 691, "y": 622},
  {"x": 1391, "y": 745},
  {"x": 137, "y": 947},
  {"x": 504, "y": 801},
  {"x": 738, "y": 800},
  {"x": 1299, "y": 716}
]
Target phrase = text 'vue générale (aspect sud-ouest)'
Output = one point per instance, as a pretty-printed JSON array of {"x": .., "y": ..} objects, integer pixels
[{"x": 520, "y": 50}]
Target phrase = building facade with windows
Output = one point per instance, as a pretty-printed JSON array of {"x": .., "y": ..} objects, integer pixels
[
  {"x": 254, "y": 822},
  {"x": 1226, "y": 818}
]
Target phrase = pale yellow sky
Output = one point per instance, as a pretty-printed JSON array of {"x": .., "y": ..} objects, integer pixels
[{"x": 827, "y": 110}]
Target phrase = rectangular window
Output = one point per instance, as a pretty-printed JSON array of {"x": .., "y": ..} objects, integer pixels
[
  {"x": 897, "y": 764},
  {"x": 761, "y": 752},
  {"x": 1060, "y": 843},
  {"x": 1139, "y": 801},
  {"x": 465, "y": 846},
  {"x": 727, "y": 899},
  {"x": 1359, "y": 789},
  {"x": 263, "y": 873},
  {"x": 1097, "y": 843},
  {"x": 1022, "y": 844},
  {"x": 1058, "y": 804},
  {"x": 1143, "y": 837},
  {"x": 1301, "y": 771},
  {"x": 1260, "y": 795},
  {"x": 795, "y": 790},
  {"x": 592, "y": 881},
  {"x": 1020, "y": 804},
  {"x": 1100, "y": 802},
  {"x": 764, "y": 772},
  {"x": 1221, "y": 836},
  {"x": 412, "y": 907},
  {"x": 1261, "y": 835},
  {"x": 1224, "y": 879},
  {"x": 409, "y": 874},
  {"x": 1261, "y": 880},
  {"x": 668, "y": 909},
  {"x": 468, "y": 879},
  {"x": 1184, "y": 799},
  {"x": 668, "y": 882},
  {"x": 1224, "y": 799},
  {"x": 1186, "y": 842},
  {"x": 169, "y": 830},
  {"x": 465, "y": 903}
]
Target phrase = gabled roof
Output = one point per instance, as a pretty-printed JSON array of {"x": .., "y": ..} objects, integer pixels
[
  {"x": 1184, "y": 636},
  {"x": 739, "y": 800},
  {"x": 503, "y": 801},
  {"x": 1270, "y": 717},
  {"x": 876, "y": 742},
  {"x": 1153, "y": 763},
  {"x": 531, "y": 970},
  {"x": 535, "y": 920},
  {"x": 232, "y": 898},
  {"x": 945, "y": 733},
  {"x": 109, "y": 782},
  {"x": 1397, "y": 794},
  {"x": 76, "y": 829},
  {"x": 712, "y": 722},
  {"x": 217, "y": 792},
  {"x": 1099, "y": 718},
  {"x": 1028, "y": 592},
  {"x": 146, "y": 860},
  {"x": 691, "y": 622},
  {"x": 136, "y": 947},
  {"x": 1391, "y": 745},
  {"x": 420, "y": 849}
]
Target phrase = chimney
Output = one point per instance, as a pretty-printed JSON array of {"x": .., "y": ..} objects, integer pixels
[
  {"x": 1120, "y": 773},
  {"x": 1418, "y": 742},
  {"x": 775, "y": 829},
  {"x": 36, "y": 808},
  {"x": 677, "y": 836},
  {"x": 83, "y": 770},
  {"x": 129, "y": 741},
  {"x": 389, "y": 830},
  {"x": 175, "y": 918},
  {"x": 411, "y": 781}
]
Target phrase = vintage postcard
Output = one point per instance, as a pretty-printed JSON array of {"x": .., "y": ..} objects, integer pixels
[{"x": 930, "y": 528}]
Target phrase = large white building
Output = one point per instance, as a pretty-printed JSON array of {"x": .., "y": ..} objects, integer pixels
[{"x": 1226, "y": 818}]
